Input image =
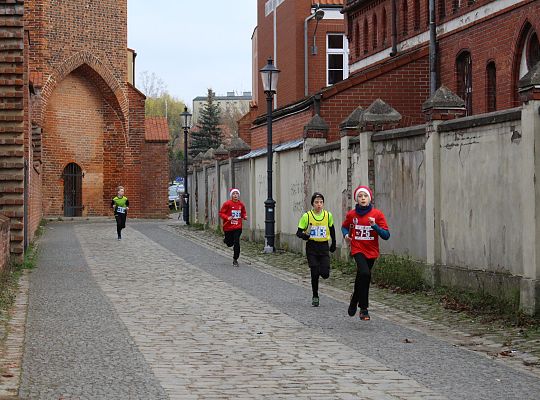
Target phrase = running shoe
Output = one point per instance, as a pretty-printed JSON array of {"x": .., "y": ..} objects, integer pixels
[
  {"x": 315, "y": 302},
  {"x": 235, "y": 263},
  {"x": 364, "y": 315}
]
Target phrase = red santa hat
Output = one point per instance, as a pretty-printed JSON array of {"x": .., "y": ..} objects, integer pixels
[
  {"x": 234, "y": 190},
  {"x": 362, "y": 189}
]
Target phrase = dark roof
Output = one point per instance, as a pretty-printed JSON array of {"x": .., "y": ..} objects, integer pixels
[{"x": 204, "y": 98}]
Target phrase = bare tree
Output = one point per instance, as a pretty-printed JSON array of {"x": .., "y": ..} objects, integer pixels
[
  {"x": 230, "y": 116},
  {"x": 151, "y": 84}
]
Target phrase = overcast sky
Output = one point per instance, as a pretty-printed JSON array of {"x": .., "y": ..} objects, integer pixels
[{"x": 194, "y": 45}]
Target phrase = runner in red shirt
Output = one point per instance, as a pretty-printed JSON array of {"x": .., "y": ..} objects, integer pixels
[
  {"x": 361, "y": 229},
  {"x": 232, "y": 213}
]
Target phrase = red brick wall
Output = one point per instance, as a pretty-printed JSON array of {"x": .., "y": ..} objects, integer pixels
[
  {"x": 62, "y": 29},
  {"x": 494, "y": 39},
  {"x": 283, "y": 130},
  {"x": 403, "y": 87},
  {"x": 155, "y": 196},
  {"x": 4, "y": 242},
  {"x": 290, "y": 50},
  {"x": 68, "y": 140},
  {"x": 244, "y": 125},
  {"x": 317, "y": 64}
]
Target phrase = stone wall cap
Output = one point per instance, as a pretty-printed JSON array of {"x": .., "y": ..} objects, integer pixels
[
  {"x": 531, "y": 78},
  {"x": 209, "y": 155},
  {"x": 237, "y": 144},
  {"x": 443, "y": 98},
  {"x": 316, "y": 123},
  {"x": 221, "y": 151},
  {"x": 380, "y": 112},
  {"x": 353, "y": 120}
]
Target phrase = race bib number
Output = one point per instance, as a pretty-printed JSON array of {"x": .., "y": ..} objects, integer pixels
[
  {"x": 236, "y": 214},
  {"x": 121, "y": 210},
  {"x": 363, "y": 232},
  {"x": 318, "y": 232}
]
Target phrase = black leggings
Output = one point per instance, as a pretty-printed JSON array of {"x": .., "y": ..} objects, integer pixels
[
  {"x": 318, "y": 258},
  {"x": 120, "y": 223},
  {"x": 232, "y": 238},
  {"x": 363, "y": 279}
]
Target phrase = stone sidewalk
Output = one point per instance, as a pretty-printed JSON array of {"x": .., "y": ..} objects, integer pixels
[{"x": 163, "y": 315}]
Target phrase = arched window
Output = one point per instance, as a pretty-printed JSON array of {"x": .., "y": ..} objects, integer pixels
[
  {"x": 427, "y": 13},
  {"x": 491, "y": 86},
  {"x": 455, "y": 6},
  {"x": 366, "y": 36},
  {"x": 442, "y": 9},
  {"x": 384, "y": 26},
  {"x": 374, "y": 38},
  {"x": 416, "y": 11},
  {"x": 528, "y": 54},
  {"x": 464, "y": 79},
  {"x": 405, "y": 17},
  {"x": 533, "y": 50},
  {"x": 357, "y": 38}
]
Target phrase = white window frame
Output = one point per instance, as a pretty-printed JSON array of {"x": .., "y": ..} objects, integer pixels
[{"x": 344, "y": 52}]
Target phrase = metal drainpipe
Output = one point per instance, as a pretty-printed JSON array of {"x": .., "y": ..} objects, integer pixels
[
  {"x": 134, "y": 58},
  {"x": 432, "y": 49},
  {"x": 306, "y": 76},
  {"x": 394, "y": 28}
]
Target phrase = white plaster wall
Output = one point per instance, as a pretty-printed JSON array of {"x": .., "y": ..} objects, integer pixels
[
  {"x": 400, "y": 194},
  {"x": 480, "y": 193}
]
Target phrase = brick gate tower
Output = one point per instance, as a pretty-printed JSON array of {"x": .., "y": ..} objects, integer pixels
[{"x": 84, "y": 123}]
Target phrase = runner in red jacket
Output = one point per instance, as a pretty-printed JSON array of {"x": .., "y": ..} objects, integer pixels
[
  {"x": 361, "y": 229},
  {"x": 233, "y": 212}
]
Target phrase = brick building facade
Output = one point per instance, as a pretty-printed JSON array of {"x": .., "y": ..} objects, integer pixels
[
  {"x": 83, "y": 123},
  {"x": 280, "y": 35},
  {"x": 484, "y": 47}
]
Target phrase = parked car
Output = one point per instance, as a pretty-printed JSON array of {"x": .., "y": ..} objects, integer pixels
[{"x": 175, "y": 196}]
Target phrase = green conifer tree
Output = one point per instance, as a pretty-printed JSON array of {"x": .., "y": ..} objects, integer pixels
[{"x": 208, "y": 133}]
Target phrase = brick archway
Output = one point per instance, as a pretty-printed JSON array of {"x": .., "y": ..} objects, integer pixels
[{"x": 85, "y": 59}]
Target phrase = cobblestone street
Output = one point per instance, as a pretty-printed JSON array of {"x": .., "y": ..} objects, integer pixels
[{"x": 162, "y": 315}]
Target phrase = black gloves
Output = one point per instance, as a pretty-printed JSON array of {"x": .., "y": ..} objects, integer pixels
[
  {"x": 302, "y": 235},
  {"x": 333, "y": 247}
]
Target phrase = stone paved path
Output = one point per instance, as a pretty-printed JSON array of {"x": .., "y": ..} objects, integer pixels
[{"x": 158, "y": 316}]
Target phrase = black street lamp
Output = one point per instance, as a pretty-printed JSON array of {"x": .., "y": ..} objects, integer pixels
[
  {"x": 269, "y": 76},
  {"x": 186, "y": 124}
]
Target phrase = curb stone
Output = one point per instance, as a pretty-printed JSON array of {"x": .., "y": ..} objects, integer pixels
[{"x": 11, "y": 362}]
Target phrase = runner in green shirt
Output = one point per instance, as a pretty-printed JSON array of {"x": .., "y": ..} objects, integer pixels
[{"x": 120, "y": 205}]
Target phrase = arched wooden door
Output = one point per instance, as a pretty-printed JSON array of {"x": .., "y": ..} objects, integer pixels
[{"x": 72, "y": 190}]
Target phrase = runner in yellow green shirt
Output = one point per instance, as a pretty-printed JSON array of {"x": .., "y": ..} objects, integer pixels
[
  {"x": 316, "y": 227},
  {"x": 120, "y": 205}
]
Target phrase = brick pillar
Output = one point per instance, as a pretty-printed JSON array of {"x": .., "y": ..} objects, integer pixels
[
  {"x": 529, "y": 87},
  {"x": 443, "y": 105},
  {"x": 14, "y": 83}
]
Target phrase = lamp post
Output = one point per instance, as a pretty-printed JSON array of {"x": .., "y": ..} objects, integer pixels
[
  {"x": 269, "y": 76},
  {"x": 186, "y": 124}
]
